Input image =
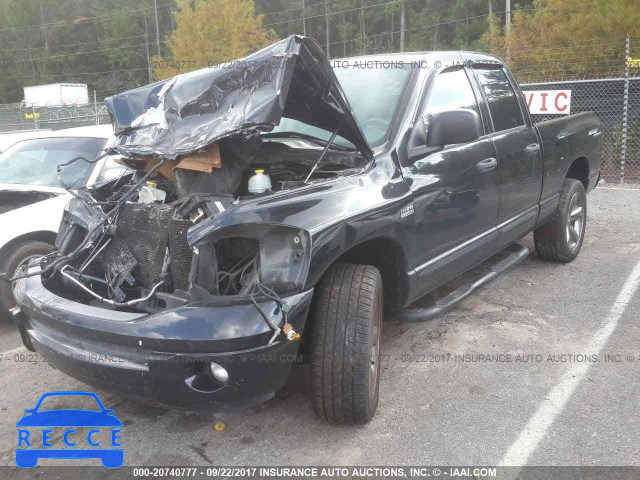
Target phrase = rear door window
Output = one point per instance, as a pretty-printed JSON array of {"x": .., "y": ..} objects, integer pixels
[{"x": 501, "y": 98}]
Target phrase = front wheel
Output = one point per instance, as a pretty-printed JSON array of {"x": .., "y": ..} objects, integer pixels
[
  {"x": 561, "y": 238},
  {"x": 10, "y": 262},
  {"x": 345, "y": 344}
]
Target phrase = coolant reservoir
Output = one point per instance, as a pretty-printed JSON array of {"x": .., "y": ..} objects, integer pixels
[
  {"x": 150, "y": 194},
  {"x": 259, "y": 182}
]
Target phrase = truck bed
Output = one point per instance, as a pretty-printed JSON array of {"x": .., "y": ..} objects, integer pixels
[{"x": 565, "y": 139}]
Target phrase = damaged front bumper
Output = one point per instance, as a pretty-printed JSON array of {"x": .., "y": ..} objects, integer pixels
[{"x": 166, "y": 356}]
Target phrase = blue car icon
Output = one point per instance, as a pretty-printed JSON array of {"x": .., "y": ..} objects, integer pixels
[{"x": 69, "y": 419}]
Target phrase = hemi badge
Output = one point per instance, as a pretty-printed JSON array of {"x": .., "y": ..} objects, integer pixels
[{"x": 406, "y": 211}]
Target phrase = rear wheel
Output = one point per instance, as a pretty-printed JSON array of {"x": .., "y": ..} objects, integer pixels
[
  {"x": 345, "y": 344},
  {"x": 561, "y": 238},
  {"x": 16, "y": 256}
]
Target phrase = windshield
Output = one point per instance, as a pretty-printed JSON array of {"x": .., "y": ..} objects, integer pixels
[
  {"x": 373, "y": 93},
  {"x": 35, "y": 161}
]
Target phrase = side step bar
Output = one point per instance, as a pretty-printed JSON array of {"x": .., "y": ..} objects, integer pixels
[{"x": 520, "y": 252}]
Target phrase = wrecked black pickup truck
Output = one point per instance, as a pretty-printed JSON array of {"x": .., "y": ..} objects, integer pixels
[{"x": 274, "y": 205}]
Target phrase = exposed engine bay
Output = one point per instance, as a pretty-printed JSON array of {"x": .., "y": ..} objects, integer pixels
[{"x": 126, "y": 240}]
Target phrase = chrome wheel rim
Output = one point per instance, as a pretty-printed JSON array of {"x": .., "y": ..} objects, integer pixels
[{"x": 575, "y": 221}]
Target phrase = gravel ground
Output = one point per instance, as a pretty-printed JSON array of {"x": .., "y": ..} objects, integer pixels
[{"x": 444, "y": 412}]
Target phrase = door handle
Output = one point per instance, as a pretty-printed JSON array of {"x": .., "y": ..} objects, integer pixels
[
  {"x": 533, "y": 148},
  {"x": 487, "y": 164}
]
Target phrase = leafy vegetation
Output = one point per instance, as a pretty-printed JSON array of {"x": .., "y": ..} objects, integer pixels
[
  {"x": 114, "y": 45},
  {"x": 211, "y": 31},
  {"x": 568, "y": 39},
  {"x": 99, "y": 42}
]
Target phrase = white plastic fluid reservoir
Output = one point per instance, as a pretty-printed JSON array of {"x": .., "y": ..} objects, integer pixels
[
  {"x": 150, "y": 194},
  {"x": 259, "y": 182}
]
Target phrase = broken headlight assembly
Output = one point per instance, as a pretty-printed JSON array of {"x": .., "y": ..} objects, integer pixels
[
  {"x": 255, "y": 262},
  {"x": 249, "y": 259}
]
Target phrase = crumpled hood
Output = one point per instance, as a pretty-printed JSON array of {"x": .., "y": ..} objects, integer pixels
[{"x": 178, "y": 116}]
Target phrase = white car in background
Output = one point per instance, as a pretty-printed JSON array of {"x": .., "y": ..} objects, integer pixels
[
  {"x": 32, "y": 199},
  {"x": 9, "y": 138}
]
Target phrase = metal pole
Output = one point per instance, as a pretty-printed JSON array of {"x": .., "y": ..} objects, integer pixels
[
  {"x": 304, "y": 21},
  {"x": 507, "y": 25},
  {"x": 363, "y": 47},
  {"x": 344, "y": 42},
  {"x": 155, "y": 6},
  {"x": 33, "y": 70},
  {"x": 95, "y": 106},
  {"x": 326, "y": 16},
  {"x": 146, "y": 45},
  {"x": 625, "y": 110},
  {"x": 491, "y": 36},
  {"x": 403, "y": 15}
]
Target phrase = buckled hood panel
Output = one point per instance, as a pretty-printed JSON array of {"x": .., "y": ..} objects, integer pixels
[{"x": 178, "y": 116}]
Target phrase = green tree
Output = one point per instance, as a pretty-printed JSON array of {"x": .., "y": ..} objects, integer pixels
[
  {"x": 568, "y": 39},
  {"x": 102, "y": 43},
  {"x": 212, "y": 31}
]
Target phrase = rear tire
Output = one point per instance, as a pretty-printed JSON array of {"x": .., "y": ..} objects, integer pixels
[
  {"x": 11, "y": 260},
  {"x": 561, "y": 238},
  {"x": 345, "y": 344}
]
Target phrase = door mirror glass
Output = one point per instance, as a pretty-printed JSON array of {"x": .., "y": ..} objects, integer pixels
[{"x": 453, "y": 127}]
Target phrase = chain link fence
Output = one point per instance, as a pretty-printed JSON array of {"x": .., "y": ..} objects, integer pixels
[
  {"x": 21, "y": 117},
  {"x": 607, "y": 98}
]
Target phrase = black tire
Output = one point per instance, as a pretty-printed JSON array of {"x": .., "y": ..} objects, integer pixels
[
  {"x": 345, "y": 344},
  {"x": 558, "y": 240},
  {"x": 10, "y": 262}
]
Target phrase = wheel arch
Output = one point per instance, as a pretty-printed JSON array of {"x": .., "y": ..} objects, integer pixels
[
  {"x": 37, "y": 236},
  {"x": 579, "y": 170},
  {"x": 389, "y": 258}
]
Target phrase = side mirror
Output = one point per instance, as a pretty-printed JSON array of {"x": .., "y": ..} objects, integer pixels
[{"x": 454, "y": 126}]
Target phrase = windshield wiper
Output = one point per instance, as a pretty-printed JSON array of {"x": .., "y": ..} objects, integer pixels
[{"x": 310, "y": 138}]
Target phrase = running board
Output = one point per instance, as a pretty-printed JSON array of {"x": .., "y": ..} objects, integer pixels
[{"x": 520, "y": 252}]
